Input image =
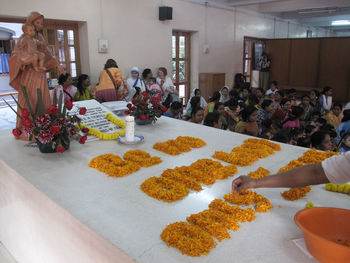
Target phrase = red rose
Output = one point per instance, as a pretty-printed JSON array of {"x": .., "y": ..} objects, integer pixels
[
  {"x": 133, "y": 108},
  {"x": 60, "y": 149},
  {"x": 82, "y": 111},
  {"x": 129, "y": 106},
  {"x": 154, "y": 100},
  {"x": 27, "y": 123},
  {"x": 85, "y": 130},
  {"x": 126, "y": 112},
  {"x": 69, "y": 104},
  {"x": 52, "y": 110},
  {"x": 133, "y": 101},
  {"x": 143, "y": 117},
  {"x": 145, "y": 93},
  {"x": 54, "y": 129},
  {"x": 25, "y": 113},
  {"x": 16, "y": 132},
  {"x": 143, "y": 103},
  {"x": 82, "y": 139},
  {"x": 164, "y": 109}
]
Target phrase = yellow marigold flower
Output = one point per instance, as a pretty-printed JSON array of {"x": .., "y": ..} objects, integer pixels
[
  {"x": 296, "y": 193},
  {"x": 164, "y": 189},
  {"x": 245, "y": 197},
  {"x": 225, "y": 172},
  {"x": 259, "y": 173},
  {"x": 189, "y": 239},
  {"x": 176, "y": 175}
]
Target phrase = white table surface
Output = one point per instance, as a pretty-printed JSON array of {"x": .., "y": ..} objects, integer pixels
[{"x": 120, "y": 212}]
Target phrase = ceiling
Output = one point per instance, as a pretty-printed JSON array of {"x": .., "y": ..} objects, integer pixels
[{"x": 315, "y": 13}]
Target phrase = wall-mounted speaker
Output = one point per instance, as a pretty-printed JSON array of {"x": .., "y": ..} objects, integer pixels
[{"x": 165, "y": 13}]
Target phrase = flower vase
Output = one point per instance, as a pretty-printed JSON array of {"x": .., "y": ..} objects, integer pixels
[
  {"x": 141, "y": 122},
  {"x": 47, "y": 147}
]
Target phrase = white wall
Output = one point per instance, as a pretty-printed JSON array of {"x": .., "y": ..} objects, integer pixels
[{"x": 137, "y": 38}]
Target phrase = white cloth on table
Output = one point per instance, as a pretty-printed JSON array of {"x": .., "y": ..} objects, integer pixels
[{"x": 337, "y": 168}]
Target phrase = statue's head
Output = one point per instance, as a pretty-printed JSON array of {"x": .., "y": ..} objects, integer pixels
[{"x": 36, "y": 19}]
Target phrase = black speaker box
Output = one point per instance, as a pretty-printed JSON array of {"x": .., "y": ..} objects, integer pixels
[{"x": 165, "y": 13}]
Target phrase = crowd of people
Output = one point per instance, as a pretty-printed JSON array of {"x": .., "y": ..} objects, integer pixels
[{"x": 311, "y": 120}]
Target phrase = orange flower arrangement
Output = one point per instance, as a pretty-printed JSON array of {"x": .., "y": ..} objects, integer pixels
[
  {"x": 214, "y": 222},
  {"x": 313, "y": 156},
  {"x": 189, "y": 239},
  {"x": 242, "y": 215},
  {"x": 191, "y": 141},
  {"x": 113, "y": 165},
  {"x": 247, "y": 197},
  {"x": 164, "y": 189},
  {"x": 296, "y": 193},
  {"x": 225, "y": 172},
  {"x": 179, "y": 145},
  {"x": 259, "y": 173},
  {"x": 249, "y": 152},
  {"x": 142, "y": 158},
  {"x": 176, "y": 175},
  {"x": 309, "y": 157}
]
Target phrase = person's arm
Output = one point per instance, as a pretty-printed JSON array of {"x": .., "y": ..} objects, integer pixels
[{"x": 298, "y": 177}]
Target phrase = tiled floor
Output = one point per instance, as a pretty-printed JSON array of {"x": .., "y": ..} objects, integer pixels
[{"x": 5, "y": 256}]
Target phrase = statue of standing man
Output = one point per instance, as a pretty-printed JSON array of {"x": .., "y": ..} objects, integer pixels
[{"x": 25, "y": 72}]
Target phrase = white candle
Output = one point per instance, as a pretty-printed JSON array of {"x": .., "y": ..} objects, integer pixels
[{"x": 129, "y": 128}]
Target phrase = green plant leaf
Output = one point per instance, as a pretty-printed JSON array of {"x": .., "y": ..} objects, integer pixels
[
  {"x": 19, "y": 106},
  {"x": 40, "y": 103},
  {"x": 60, "y": 103},
  {"x": 55, "y": 97},
  {"x": 13, "y": 109},
  {"x": 25, "y": 94}
]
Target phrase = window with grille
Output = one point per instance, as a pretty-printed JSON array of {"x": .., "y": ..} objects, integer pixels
[{"x": 181, "y": 69}]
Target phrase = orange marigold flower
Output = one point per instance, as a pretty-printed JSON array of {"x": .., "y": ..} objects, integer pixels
[
  {"x": 179, "y": 145},
  {"x": 259, "y": 173},
  {"x": 176, "y": 175},
  {"x": 242, "y": 215},
  {"x": 189, "y": 239},
  {"x": 225, "y": 172},
  {"x": 296, "y": 193},
  {"x": 164, "y": 189},
  {"x": 142, "y": 158}
]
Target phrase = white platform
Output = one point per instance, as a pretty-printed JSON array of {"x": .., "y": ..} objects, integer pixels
[{"x": 35, "y": 229}]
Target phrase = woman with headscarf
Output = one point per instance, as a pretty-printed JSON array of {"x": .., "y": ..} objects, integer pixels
[
  {"x": 134, "y": 81},
  {"x": 25, "y": 75},
  {"x": 196, "y": 93},
  {"x": 224, "y": 97},
  {"x": 110, "y": 86}
]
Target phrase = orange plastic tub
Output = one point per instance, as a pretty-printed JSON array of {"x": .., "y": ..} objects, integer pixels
[{"x": 323, "y": 227}]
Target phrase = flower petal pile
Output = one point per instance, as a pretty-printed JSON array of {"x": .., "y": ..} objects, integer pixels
[
  {"x": 142, "y": 158},
  {"x": 204, "y": 171},
  {"x": 115, "y": 166},
  {"x": 249, "y": 152},
  {"x": 259, "y": 173},
  {"x": 179, "y": 145},
  {"x": 247, "y": 197},
  {"x": 195, "y": 239},
  {"x": 309, "y": 157}
]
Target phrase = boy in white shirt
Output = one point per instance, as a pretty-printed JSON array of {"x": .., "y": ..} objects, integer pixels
[{"x": 273, "y": 88}]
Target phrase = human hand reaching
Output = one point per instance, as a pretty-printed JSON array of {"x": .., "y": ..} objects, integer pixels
[{"x": 243, "y": 182}]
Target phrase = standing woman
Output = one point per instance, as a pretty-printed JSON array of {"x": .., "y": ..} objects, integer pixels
[
  {"x": 84, "y": 89},
  {"x": 133, "y": 82},
  {"x": 326, "y": 99},
  {"x": 110, "y": 84},
  {"x": 167, "y": 85},
  {"x": 22, "y": 75},
  {"x": 264, "y": 64}
]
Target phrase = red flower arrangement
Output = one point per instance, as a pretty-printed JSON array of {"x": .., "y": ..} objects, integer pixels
[
  {"x": 54, "y": 129},
  {"x": 145, "y": 108}
]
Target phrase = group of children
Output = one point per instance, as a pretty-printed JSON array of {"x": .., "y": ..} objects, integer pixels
[{"x": 312, "y": 120}]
